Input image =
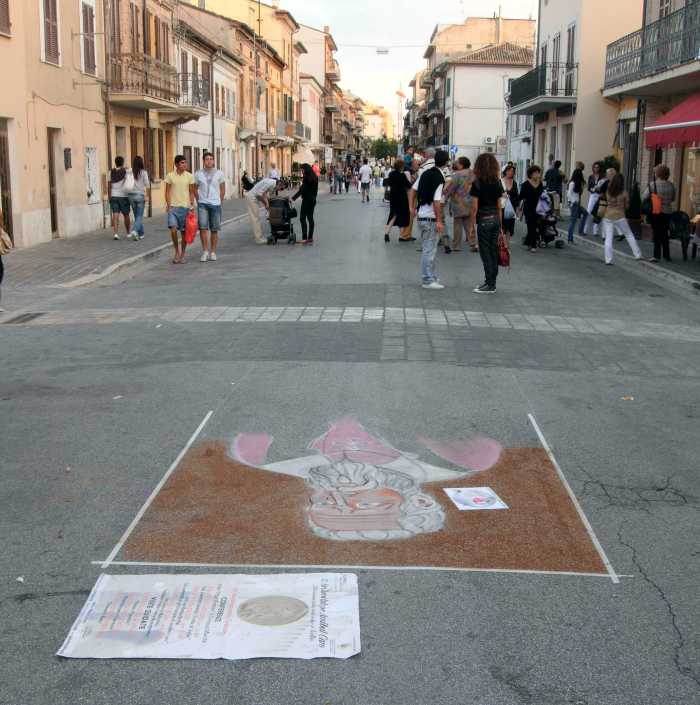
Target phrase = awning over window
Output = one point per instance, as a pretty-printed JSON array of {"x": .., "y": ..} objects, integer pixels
[{"x": 678, "y": 127}]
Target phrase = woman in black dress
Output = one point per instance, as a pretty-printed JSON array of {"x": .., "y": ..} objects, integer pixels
[
  {"x": 512, "y": 194},
  {"x": 530, "y": 193},
  {"x": 399, "y": 214},
  {"x": 308, "y": 192}
]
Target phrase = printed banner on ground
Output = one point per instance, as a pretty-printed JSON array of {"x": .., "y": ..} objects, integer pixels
[
  {"x": 471, "y": 498},
  {"x": 312, "y": 615}
]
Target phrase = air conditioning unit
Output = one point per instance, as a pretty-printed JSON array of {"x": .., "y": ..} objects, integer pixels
[{"x": 489, "y": 140}]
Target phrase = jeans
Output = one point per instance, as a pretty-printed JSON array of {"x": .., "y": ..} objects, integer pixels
[
  {"x": 176, "y": 218},
  {"x": 429, "y": 241},
  {"x": 576, "y": 212},
  {"x": 338, "y": 184},
  {"x": 138, "y": 205},
  {"x": 307, "y": 215},
  {"x": 623, "y": 226},
  {"x": 659, "y": 226},
  {"x": 487, "y": 232},
  {"x": 209, "y": 217}
]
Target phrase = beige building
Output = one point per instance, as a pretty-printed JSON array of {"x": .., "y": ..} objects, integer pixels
[
  {"x": 378, "y": 122},
  {"x": 572, "y": 120},
  {"x": 652, "y": 81},
  {"x": 52, "y": 119}
]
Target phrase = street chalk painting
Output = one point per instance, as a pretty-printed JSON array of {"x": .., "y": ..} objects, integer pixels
[{"x": 362, "y": 488}]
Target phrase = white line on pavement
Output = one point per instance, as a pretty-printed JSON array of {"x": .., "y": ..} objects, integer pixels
[
  {"x": 603, "y": 556},
  {"x": 259, "y": 566},
  {"x": 110, "y": 559}
]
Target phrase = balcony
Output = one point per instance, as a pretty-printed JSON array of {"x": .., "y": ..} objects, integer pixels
[
  {"x": 332, "y": 105},
  {"x": 333, "y": 70},
  {"x": 435, "y": 107},
  {"x": 547, "y": 87},
  {"x": 139, "y": 81},
  {"x": 662, "y": 58}
]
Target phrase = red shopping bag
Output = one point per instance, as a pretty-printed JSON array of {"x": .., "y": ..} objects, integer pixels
[
  {"x": 503, "y": 251},
  {"x": 190, "y": 227}
]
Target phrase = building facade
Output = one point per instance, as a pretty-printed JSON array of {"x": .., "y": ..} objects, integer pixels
[
  {"x": 53, "y": 147},
  {"x": 652, "y": 79}
]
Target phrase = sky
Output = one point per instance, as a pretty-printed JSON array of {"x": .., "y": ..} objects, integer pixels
[{"x": 387, "y": 23}]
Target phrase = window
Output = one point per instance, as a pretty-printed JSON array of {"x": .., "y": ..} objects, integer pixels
[
  {"x": 206, "y": 85},
  {"x": 135, "y": 28},
  {"x": 88, "y": 20},
  {"x": 5, "y": 25},
  {"x": 665, "y": 8},
  {"x": 161, "y": 154},
  {"x": 543, "y": 54},
  {"x": 216, "y": 96},
  {"x": 197, "y": 159},
  {"x": 571, "y": 45},
  {"x": 448, "y": 86},
  {"x": 52, "y": 52},
  {"x": 184, "y": 71}
]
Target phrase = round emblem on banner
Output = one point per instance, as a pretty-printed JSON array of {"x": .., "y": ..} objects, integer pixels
[{"x": 272, "y": 610}]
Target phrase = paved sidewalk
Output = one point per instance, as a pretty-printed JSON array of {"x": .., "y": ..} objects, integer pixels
[{"x": 93, "y": 255}]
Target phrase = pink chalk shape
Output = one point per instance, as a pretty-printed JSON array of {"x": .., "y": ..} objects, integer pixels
[
  {"x": 347, "y": 439},
  {"x": 478, "y": 454},
  {"x": 251, "y": 448}
]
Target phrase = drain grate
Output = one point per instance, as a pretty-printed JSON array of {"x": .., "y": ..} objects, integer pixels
[{"x": 23, "y": 318}]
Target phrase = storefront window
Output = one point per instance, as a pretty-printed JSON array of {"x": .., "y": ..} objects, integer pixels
[{"x": 690, "y": 190}]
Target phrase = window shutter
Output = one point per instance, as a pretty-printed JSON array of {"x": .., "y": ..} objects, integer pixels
[
  {"x": 161, "y": 154},
  {"x": 89, "y": 63},
  {"x": 216, "y": 96},
  {"x": 206, "y": 86},
  {"x": 184, "y": 78},
  {"x": 147, "y": 38},
  {"x": 165, "y": 48},
  {"x": 156, "y": 35},
  {"x": 51, "y": 31},
  {"x": 5, "y": 25}
]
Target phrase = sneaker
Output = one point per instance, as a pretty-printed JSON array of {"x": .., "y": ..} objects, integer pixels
[
  {"x": 433, "y": 285},
  {"x": 448, "y": 250},
  {"x": 212, "y": 257},
  {"x": 141, "y": 237},
  {"x": 386, "y": 238},
  {"x": 485, "y": 289},
  {"x": 132, "y": 236},
  {"x": 116, "y": 236},
  {"x": 204, "y": 257}
]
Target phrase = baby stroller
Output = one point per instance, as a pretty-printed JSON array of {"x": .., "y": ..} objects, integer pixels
[
  {"x": 547, "y": 223},
  {"x": 281, "y": 214}
]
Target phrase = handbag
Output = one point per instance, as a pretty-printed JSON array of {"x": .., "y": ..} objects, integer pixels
[
  {"x": 6, "y": 245},
  {"x": 652, "y": 205},
  {"x": 190, "y": 227},
  {"x": 600, "y": 209},
  {"x": 503, "y": 251},
  {"x": 129, "y": 183}
]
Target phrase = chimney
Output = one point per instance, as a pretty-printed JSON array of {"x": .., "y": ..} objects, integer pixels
[{"x": 498, "y": 26}]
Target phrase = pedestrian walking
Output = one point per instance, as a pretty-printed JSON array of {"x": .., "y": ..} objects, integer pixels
[
  {"x": 365, "y": 174},
  {"x": 399, "y": 213},
  {"x": 377, "y": 175},
  {"x": 139, "y": 196},
  {"x": 487, "y": 215},
  {"x": 510, "y": 200},
  {"x": 666, "y": 191},
  {"x": 348, "y": 178},
  {"x": 427, "y": 191},
  {"x": 308, "y": 190},
  {"x": 574, "y": 194},
  {"x": 118, "y": 197},
  {"x": 530, "y": 192},
  {"x": 457, "y": 194},
  {"x": 554, "y": 181},
  {"x": 211, "y": 191},
  {"x": 179, "y": 200},
  {"x": 597, "y": 186},
  {"x": 614, "y": 216},
  {"x": 259, "y": 194},
  {"x": 339, "y": 178}
]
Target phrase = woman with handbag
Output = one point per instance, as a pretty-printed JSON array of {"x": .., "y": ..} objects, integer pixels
[
  {"x": 573, "y": 195},
  {"x": 308, "y": 192},
  {"x": 611, "y": 210},
  {"x": 487, "y": 215},
  {"x": 597, "y": 186},
  {"x": 658, "y": 200},
  {"x": 510, "y": 200},
  {"x": 530, "y": 192}
]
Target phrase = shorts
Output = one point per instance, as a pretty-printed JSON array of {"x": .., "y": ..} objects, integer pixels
[
  {"x": 120, "y": 204},
  {"x": 209, "y": 217},
  {"x": 176, "y": 218},
  {"x": 365, "y": 186}
]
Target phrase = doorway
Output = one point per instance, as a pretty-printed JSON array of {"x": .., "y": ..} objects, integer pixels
[
  {"x": 5, "y": 190},
  {"x": 52, "y": 142}
]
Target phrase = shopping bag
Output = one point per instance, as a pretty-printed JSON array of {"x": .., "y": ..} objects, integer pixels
[
  {"x": 503, "y": 251},
  {"x": 190, "y": 227}
]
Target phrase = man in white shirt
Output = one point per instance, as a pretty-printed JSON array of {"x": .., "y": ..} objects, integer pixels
[
  {"x": 365, "y": 180},
  {"x": 274, "y": 173},
  {"x": 260, "y": 193},
  {"x": 427, "y": 190},
  {"x": 211, "y": 189}
]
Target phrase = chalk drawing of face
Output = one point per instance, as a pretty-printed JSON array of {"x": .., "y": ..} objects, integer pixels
[{"x": 363, "y": 489}]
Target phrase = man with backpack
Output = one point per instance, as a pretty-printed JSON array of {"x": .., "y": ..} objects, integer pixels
[{"x": 427, "y": 191}]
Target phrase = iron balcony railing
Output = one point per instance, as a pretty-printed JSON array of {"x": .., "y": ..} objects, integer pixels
[
  {"x": 670, "y": 41},
  {"x": 194, "y": 90},
  {"x": 138, "y": 74},
  {"x": 550, "y": 80}
]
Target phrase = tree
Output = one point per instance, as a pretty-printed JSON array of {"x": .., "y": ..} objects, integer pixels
[{"x": 383, "y": 148}]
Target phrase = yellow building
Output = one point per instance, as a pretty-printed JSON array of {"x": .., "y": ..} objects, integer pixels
[{"x": 52, "y": 119}]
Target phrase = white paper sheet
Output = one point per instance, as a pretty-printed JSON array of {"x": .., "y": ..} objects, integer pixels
[
  {"x": 305, "y": 615},
  {"x": 474, "y": 498}
]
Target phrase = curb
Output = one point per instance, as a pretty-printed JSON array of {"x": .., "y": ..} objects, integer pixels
[
  {"x": 130, "y": 261},
  {"x": 643, "y": 268}
]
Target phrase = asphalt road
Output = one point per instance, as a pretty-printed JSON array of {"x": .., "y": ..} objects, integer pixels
[{"x": 94, "y": 411}]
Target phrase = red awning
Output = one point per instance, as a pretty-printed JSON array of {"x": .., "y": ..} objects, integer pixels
[{"x": 678, "y": 127}]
